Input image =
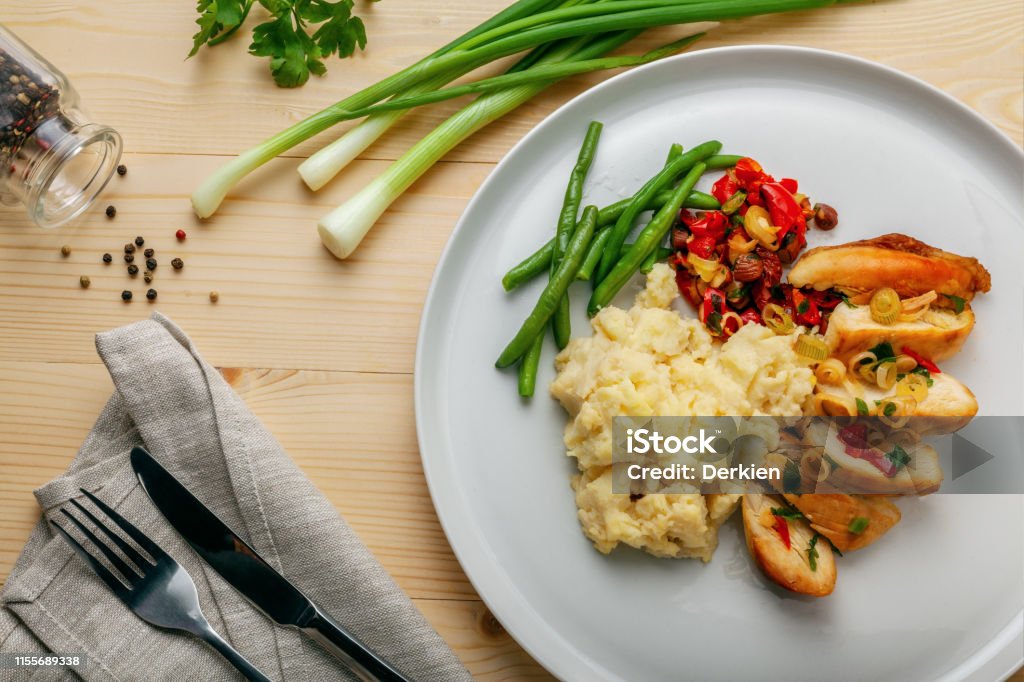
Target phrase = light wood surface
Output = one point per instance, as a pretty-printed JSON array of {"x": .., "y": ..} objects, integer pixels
[{"x": 322, "y": 350}]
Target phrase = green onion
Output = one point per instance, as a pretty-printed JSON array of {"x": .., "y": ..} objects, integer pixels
[
  {"x": 858, "y": 525},
  {"x": 551, "y": 26}
]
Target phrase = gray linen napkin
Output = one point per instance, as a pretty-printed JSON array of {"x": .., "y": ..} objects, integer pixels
[{"x": 168, "y": 399}]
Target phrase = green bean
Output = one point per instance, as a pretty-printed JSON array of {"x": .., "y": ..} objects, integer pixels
[
  {"x": 648, "y": 240},
  {"x": 586, "y": 270},
  {"x": 553, "y": 292},
  {"x": 531, "y": 266},
  {"x": 561, "y": 323},
  {"x": 540, "y": 260},
  {"x": 719, "y": 161},
  {"x": 661, "y": 180},
  {"x": 528, "y": 367},
  {"x": 698, "y": 200},
  {"x": 674, "y": 152}
]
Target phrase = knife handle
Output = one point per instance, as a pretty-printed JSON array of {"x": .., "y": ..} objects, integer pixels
[{"x": 367, "y": 665}]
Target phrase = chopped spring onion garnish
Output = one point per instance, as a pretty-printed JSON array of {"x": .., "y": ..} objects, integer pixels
[{"x": 885, "y": 306}]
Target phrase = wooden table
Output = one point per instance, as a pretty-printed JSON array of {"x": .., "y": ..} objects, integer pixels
[{"x": 322, "y": 350}]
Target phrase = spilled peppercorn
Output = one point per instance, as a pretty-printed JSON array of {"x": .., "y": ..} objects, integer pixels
[
  {"x": 111, "y": 211},
  {"x": 133, "y": 270},
  {"x": 151, "y": 294},
  {"x": 107, "y": 258},
  {"x": 122, "y": 169},
  {"x": 177, "y": 263},
  {"x": 126, "y": 295},
  {"x": 65, "y": 251}
]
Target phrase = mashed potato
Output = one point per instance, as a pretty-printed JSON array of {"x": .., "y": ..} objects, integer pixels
[{"x": 650, "y": 361}]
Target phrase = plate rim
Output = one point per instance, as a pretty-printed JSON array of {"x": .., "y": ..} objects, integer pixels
[{"x": 471, "y": 559}]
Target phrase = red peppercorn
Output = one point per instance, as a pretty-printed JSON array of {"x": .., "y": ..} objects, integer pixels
[{"x": 180, "y": 234}]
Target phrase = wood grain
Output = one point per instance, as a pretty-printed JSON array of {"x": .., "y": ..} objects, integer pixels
[{"x": 322, "y": 350}]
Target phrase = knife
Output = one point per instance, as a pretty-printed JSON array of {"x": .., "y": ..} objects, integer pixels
[{"x": 250, "y": 574}]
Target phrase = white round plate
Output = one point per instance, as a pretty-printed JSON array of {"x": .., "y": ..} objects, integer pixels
[{"x": 940, "y": 597}]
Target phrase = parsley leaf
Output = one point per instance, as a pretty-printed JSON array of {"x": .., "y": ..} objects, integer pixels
[
  {"x": 714, "y": 322},
  {"x": 847, "y": 301},
  {"x": 925, "y": 373},
  {"x": 791, "y": 477},
  {"x": 803, "y": 306},
  {"x": 812, "y": 553},
  {"x": 883, "y": 351},
  {"x": 862, "y": 407},
  {"x": 958, "y": 303},
  {"x": 787, "y": 512},
  {"x": 285, "y": 37},
  {"x": 858, "y": 525},
  {"x": 218, "y": 19},
  {"x": 889, "y": 409},
  {"x": 898, "y": 456}
]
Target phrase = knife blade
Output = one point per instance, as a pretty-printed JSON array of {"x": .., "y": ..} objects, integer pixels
[{"x": 246, "y": 571}]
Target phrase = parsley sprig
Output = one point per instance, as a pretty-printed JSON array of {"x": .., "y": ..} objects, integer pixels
[{"x": 297, "y": 37}]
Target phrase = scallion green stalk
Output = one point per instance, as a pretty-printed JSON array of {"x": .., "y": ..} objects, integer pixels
[
  {"x": 211, "y": 193},
  {"x": 344, "y": 228}
]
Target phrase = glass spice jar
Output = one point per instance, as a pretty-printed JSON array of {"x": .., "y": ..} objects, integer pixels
[{"x": 53, "y": 160}]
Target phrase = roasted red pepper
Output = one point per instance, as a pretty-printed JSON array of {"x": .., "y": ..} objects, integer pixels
[
  {"x": 751, "y": 316},
  {"x": 687, "y": 284},
  {"x": 708, "y": 224},
  {"x": 826, "y": 300},
  {"x": 784, "y": 210},
  {"x": 724, "y": 188},
  {"x": 782, "y": 528},
  {"x": 805, "y": 310},
  {"x": 702, "y": 246},
  {"x": 747, "y": 171},
  {"x": 922, "y": 361},
  {"x": 790, "y": 184},
  {"x": 855, "y": 441},
  {"x": 712, "y": 309}
]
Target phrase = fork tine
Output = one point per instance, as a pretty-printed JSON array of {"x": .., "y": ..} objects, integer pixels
[
  {"x": 136, "y": 534},
  {"x": 130, "y": 575},
  {"x": 116, "y": 586},
  {"x": 129, "y": 551}
]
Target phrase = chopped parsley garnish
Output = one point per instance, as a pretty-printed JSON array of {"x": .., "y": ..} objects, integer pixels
[
  {"x": 737, "y": 294},
  {"x": 958, "y": 303},
  {"x": 883, "y": 351},
  {"x": 791, "y": 477},
  {"x": 898, "y": 456},
  {"x": 889, "y": 409},
  {"x": 925, "y": 373},
  {"x": 812, "y": 553},
  {"x": 846, "y": 300},
  {"x": 714, "y": 321},
  {"x": 858, "y": 525},
  {"x": 787, "y": 512},
  {"x": 862, "y": 408},
  {"x": 803, "y": 306}
]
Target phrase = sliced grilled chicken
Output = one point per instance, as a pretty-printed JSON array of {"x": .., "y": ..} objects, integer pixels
[
  {"x": 911, "y": 470},
  {"x": 850, "y": 522},
  {"x": 937, "y": 335},
  {"x": 785, "y": 548},
  {"x": 903, "y": 263}
]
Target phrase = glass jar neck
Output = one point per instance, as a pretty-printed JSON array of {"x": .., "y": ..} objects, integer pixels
[{"x": 62, "y": 166}]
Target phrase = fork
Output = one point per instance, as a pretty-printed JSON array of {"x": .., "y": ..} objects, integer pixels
[{"x": 161, "y": 593}]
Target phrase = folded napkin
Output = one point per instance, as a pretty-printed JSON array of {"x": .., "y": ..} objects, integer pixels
[{"x": 180, "y": 408}]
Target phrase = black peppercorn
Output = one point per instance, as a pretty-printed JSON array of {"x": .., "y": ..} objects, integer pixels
[
  {"x": 126, "y": 295},
  {"x": 111, "y": 212},
  {"x": 107, "y": 258},
  {"x": 151, "y": 263},
  {"x": 128, "y": 258},
  {"x": 151, "y": 294},
  {"x": 122, "y": 169},
  {"x": 148, "y": 253},
  {"x": 177, "y": 264},
  {"x": 129, "y": 248},
  {"x": 133, "y": 270},
  {"x": 139, "y": 241}
]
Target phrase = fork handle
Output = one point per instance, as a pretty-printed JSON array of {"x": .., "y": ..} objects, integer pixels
[{"x": 251, "y": 672}]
